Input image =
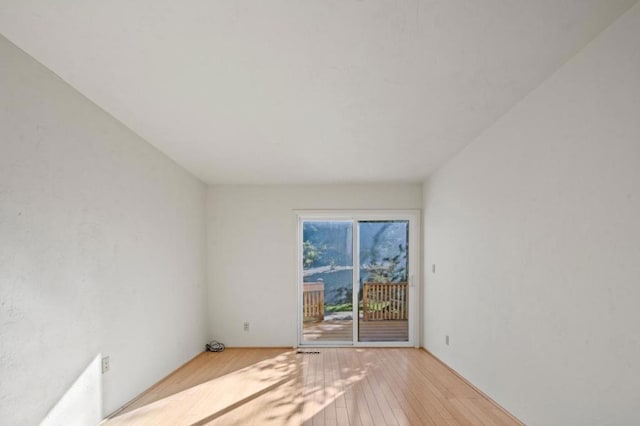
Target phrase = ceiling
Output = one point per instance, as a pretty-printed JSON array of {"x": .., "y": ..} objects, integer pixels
[{"x": 290, "y": 91}]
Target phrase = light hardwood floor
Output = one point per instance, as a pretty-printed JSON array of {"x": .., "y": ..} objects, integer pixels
[{"x": 337, "y": 386}]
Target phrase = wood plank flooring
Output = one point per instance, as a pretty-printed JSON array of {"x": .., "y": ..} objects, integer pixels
[{"x": 337, "y": 386}]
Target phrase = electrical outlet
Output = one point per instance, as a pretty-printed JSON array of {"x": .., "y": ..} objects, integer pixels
[
  {"x": 446, "y": 340},
  {"x": 105, "y": 364},
  {"x": 433, "y": 268},
  {"x": 246, "y": 326}
]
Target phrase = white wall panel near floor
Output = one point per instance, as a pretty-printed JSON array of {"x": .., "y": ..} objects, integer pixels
[
  {"x": 535, "y": 233},
  {"x": 102, "y": 242},
  {"x": 252, "y": 252}
]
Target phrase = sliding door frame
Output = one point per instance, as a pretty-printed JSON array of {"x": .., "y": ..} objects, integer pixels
[{"x": 414, "y": 269}]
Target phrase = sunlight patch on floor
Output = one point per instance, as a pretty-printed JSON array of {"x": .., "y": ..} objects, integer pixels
[{"x": 286, "y": 389}]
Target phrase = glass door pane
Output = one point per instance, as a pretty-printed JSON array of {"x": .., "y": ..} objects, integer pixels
[
  {"x": 383, "y": 293},
  {"x": 327, "y": 287}
]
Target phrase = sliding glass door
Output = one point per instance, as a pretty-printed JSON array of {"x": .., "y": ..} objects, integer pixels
[
  {"x": 327, "y": 285},
  {"x": 356, "y": 278},
  {"x": 383, "y": 293}
]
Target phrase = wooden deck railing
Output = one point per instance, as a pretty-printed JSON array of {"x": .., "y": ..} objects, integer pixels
[
  {"x": 387, "y": 301},
  {"x": 313, "y": 301}
]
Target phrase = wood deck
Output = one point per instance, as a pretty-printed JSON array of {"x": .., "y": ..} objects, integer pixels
[
  {"x": 370, "y": 331},
  {"x": 335, "y": 386}
]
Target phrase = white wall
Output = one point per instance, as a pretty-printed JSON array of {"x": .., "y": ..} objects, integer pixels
[
  {"x": 81, "y": 405},
  {"x": 252, "y": 252},
  {"x": 535, "y": 231},
  {"x": 102, "y": 248}
]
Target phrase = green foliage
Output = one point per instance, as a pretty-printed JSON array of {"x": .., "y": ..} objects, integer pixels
[
  {"x": 391, "y": 269},
  {"x": 311, "y": 254},
  {"x": 378, "y": 307},
  {"x": 344, "y": 295},
  {"x": 332, "y": 264},
  {"x": 342, "y": 307},
  {"x": 327, "y": 243}
]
